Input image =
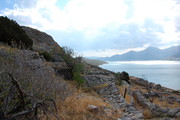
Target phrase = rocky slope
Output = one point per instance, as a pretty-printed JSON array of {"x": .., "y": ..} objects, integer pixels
[
  {"x": 41, "y": 40},
  {"x": 142, "y": 95},
  {"x": 143, "y": 100}
]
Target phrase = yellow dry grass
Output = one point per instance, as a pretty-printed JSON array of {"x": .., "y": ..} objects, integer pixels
[
  {"x": 97, "y": 87},
  {"x": 75, "y": 107},
  {"x": 8, "y": 48},
  {"x": 165, "y": 103},
  {"x": 147, "y": 114},
  {"x": 121, "y": 90}
]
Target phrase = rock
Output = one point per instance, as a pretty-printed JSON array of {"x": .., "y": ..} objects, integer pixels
[
  {"x": 61, "y": 69},
  {"x": 178, "y": 100},
  {"x": 165, "y": 109},
  {"x": 41, "y": 41},
  {"x": 103, "y": 82},
  {"x": 57, "y": 58},
  {"x": 93, "y": 108},
  {"x": 132, "y": 116},
  {"x": 138, "y": 116},
  {"x": 164, "y": 119},
  {"x": 177, "y": 114},
  {"x": 173, "y": 112},
  {"x": 146, "y": 95},
  {"x": 2, "y": 116},
  {"x": 151, "y": 85},
  {"x": 98, "y": 77},
  {"x": 137, "y": 95},
  {"x": 158, "y": 87},
  {"x": 140, "y": 81},
  {"x": 155, "y": 109},
  {"x": 171, "y": 99}
]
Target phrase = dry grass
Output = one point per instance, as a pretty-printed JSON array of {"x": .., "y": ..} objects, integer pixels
[
  {"x": 8, "y": 48},
  {"x": 128, "y": 97},
  {"x": 165, "y": 103},
  {"x": 98, "y": 87},
  {"x": 147, "y": 114},
  {"x": 75, "y": 107}
]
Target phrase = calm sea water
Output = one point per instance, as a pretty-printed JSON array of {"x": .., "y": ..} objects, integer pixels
[{"x": 166, "y": 73}]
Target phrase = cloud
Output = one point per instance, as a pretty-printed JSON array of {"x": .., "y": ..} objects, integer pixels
[
  {"x": 91, "y": 25},
  {"x": 109, "y": 52}
]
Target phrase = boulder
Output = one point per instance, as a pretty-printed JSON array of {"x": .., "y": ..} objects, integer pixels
[
  {"x": 173, "y": 112},
  {"x": 93, "y": 108},
  {"x": 158, "y": 87},
  {"x": 177, "y": 115},
  {"x": 140, "y": 99},
  {"x": 140, "y": 82},
  {"x": 61, "y": 69},
  {"x": 171, "y": 99}
]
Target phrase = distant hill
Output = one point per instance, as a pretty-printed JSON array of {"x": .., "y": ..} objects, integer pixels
[
  {"x": 94, "y": 61},
  {"x": 150, "y": 53}
]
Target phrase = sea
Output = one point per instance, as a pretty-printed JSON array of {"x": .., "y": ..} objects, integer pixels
[{"x": 166, "y": 73}]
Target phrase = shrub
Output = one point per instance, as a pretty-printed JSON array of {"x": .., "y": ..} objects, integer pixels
[
  {"x": 122, "y": 76},
  {"x": 77, "y": 73},
  {"x": 12, "y": 34},
  {"x": 67, "y": 54},
  {"x": 118, "y": 78},
  {"x": 46, "y": 55}
]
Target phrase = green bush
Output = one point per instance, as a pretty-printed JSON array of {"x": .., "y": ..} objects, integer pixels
[
  {"x": 77, "y": 74},
  {"x": 123, "y": 76},
  {"x": 75, "y": 65},
  {"x": 118, "y": 78},
  {"x": 12, "y": 34},
  {"x": 46, "y": 55}
]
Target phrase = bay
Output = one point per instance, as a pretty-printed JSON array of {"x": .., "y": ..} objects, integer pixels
[{"x": 166, "y": 73}]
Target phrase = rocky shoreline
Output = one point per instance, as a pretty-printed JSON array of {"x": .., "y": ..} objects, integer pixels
[{"x": 141, "y": 92}]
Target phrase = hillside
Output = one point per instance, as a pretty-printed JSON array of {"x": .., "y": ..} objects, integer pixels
[
  {"x": 151, "y": 53},
  {"x": 94, "y": 61},
  {"x": 47, "y": 83}
]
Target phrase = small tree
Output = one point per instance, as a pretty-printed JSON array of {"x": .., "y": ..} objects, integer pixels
[
  {"x": 118, "y": 78},
  {"x": 122, "y": 76},
  {"x": 75, "y": 65},
  {"x": 12, "y": 34},
  {"x": 125, "y": 76},
  {"x": 46, "y": 55}
]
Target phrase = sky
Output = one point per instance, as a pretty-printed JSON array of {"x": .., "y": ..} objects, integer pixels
[{"x": 100, "y": 27}]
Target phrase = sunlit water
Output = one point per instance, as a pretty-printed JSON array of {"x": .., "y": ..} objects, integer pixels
[{"x": 166, "y": 73}]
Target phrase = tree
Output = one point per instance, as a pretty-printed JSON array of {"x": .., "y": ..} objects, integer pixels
[{"x": 12, "y": 34}]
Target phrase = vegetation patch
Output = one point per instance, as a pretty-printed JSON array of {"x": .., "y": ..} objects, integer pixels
[
  {"x": 77, "y": 73},
  {"x": 46, "y": 55},
  {"x": 12, "y": 34}
]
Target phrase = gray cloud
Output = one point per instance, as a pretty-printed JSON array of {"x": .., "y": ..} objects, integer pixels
[{"x": 124, "y": 36}]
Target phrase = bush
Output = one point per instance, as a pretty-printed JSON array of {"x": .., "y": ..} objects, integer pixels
[
  {"x": 46, "y": 55},
  {"x": 122, "y": 76},
  {"x": 118, "y": 78},
  {"x": 12, "y": 34},
  {"x": 75, "y": 65},
  {"x": 77, "y": 73}
]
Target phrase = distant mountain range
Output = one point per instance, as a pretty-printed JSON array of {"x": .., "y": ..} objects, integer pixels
[{"x": 150, "y": 53}]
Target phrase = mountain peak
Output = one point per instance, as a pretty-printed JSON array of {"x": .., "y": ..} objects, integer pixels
[
  {"x": 150, "y": 53},
  {"x": 152, "y": 48}
]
